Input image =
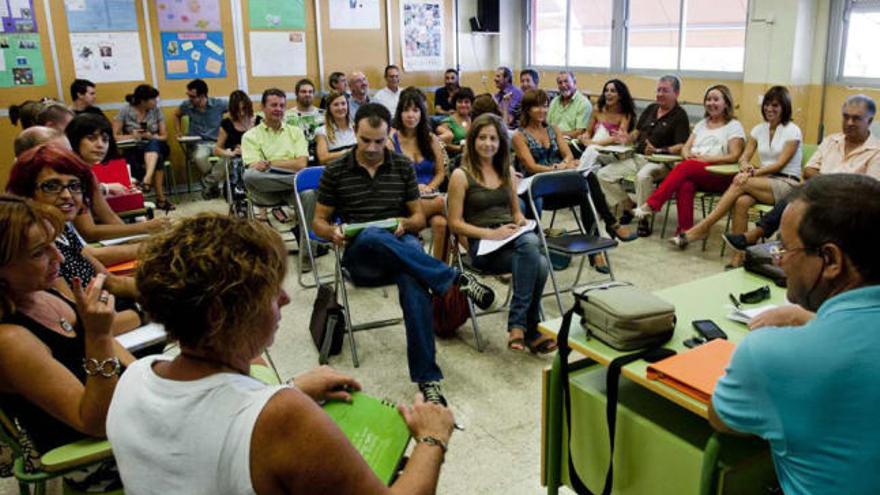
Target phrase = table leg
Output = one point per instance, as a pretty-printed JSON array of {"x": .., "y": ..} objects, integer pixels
[
  {"x": 554, "y": 428},
  {"x": 709, "y": 475}
]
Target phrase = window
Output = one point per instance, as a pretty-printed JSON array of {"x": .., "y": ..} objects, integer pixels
[
  {"x": 862, "y": 21},
  {"x": 589, "y": 33},
  {"x": 619, "y": 35}
]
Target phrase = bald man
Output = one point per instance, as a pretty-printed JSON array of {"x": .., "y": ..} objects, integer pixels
[
  {"x": 359, "y": 86},
  {"x": 37, "y": 135}
]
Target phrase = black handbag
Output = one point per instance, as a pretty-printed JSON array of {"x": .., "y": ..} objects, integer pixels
[
  {"x": 327, "y": 324},
  {"x": 760, "y": 262}
]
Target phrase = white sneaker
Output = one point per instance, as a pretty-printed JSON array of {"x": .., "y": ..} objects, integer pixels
[{"x": 642, "y": 213}]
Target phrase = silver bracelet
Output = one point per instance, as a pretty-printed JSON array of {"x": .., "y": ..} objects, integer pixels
[
  {"x": 108, "y": 368},
  {"x": 434, "y": 442}
]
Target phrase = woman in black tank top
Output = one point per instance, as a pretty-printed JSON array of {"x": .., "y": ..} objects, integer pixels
[
  {"x": 49, "y": 393},
  {"x": 483, "y": 207}
]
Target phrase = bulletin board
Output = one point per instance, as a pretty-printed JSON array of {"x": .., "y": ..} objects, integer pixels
[
  {"x": 259, "y": 28},
  {"x": 28, "y": 59}
]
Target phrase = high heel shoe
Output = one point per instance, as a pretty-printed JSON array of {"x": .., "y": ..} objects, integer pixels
[
  {"x": 603, "y": 268},
  {"x": 612, "y": 232},
  {"x": 165, "y": 205}
]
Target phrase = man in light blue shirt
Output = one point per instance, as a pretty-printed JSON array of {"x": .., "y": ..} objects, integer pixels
[{"x": 813, "y": 391}]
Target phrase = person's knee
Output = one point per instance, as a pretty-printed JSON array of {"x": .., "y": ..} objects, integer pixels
[{"x": 743, "y": 203}]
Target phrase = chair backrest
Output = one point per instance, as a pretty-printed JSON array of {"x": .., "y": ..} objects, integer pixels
[
  {"x": 115, "y": 170},
  {"x": 308, "y": 178},
  {"x": 807, "y": 153},
  {"x": 184, "y": 125},
  {"x": 563, "y": 182}
]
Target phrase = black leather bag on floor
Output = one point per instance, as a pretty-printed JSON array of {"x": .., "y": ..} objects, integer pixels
[
  {"x": 760, "y": 262},
  {"x": 327, "y": 324}
]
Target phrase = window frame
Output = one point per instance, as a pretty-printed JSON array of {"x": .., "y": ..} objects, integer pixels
[
  {"x": 838, "y": 29},
  {"x": 619, "y": 35}
]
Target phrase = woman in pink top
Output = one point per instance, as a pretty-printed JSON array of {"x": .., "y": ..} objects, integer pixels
[{"x": 615, "y": 117}]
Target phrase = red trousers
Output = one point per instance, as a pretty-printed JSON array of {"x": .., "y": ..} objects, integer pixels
[{"x": 683, "y": 182}]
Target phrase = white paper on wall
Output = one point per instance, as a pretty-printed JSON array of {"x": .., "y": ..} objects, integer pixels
[
  {"x": 278, "y": 53},
  {"x": 107, "y": 57},
  {"x": 355, "y": 14}
]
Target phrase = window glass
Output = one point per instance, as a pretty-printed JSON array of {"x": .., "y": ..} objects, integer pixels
[
  {"x": 590, "y": 33},
  {"x": 714, "y": 36},
  {"x": 860, "y": 59},
  {"x": 652, "y": 37},
  {"x": 548, "y": 33}
]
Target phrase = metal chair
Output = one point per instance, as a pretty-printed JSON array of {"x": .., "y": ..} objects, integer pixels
[
  {"x": 308, "y": 179},
  {"x": 572, "y": 184}
]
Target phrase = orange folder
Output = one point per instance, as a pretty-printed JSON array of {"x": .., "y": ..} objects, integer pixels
[
  {"x": 124, "y": 268},
  {"x": 696, "y": 371}
]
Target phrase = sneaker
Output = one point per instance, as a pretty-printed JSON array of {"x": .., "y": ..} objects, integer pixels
[
  {"x": 736, "y": 241},
  {"x": 432, "y": 393},
  {"x": 482, "y": 295},
  {"x": 642, "y": 213}
]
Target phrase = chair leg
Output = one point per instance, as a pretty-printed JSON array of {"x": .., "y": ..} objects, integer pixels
[
  {"x": 726, "y": 230},
  {"x": 473, "y": 312},
  {"x": 346, "y": 310},
  {"x": 665, "y": 220},
  {"x": 272, "y": 365}
]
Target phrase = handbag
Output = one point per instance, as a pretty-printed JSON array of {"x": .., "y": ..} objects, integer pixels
[
  {"x": 450, "y": 311},
  {"x": 760, "y": 262},
  {"x": 327, "y": 324},
  {"x": 624, "y": 316},
  {"x": 651, "y": 351}
]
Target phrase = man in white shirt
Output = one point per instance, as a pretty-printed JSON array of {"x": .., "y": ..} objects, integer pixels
[{"x": 389, "y": 95}]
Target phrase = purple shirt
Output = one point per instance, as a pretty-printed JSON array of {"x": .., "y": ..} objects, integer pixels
[{"x": 516, "y": 95}]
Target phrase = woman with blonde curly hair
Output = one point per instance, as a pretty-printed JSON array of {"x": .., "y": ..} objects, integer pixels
[{"x": 215, "y": 283}]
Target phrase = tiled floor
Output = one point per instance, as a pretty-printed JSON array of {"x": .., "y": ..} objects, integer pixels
[{"x": 495, "y": 394}]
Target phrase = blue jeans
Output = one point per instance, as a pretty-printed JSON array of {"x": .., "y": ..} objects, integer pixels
[
  {"x": 377, "y": 257},
  {"x": 523, "y": 258}
]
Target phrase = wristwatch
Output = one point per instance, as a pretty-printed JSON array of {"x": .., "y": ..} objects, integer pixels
[
  {"x": 434, "y": 442},
  {"x": 108, "y": 368}
]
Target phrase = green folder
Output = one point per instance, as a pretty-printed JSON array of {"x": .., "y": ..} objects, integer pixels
[
  {"x": 352, "y": 229},
  {"x": 375, "y": 428}
]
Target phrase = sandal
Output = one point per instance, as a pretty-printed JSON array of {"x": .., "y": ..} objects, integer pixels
[
  {"x": 545, "y": 346},
  {"x": 166, "y": 205},
  {"x": 145, "y": 188},
  {"x": 517, "y": 344}
]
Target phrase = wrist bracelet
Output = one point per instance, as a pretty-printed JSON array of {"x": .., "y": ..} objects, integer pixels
[
  {"x": 108, "y": 368},
  {"x": 434, "y": 442}
]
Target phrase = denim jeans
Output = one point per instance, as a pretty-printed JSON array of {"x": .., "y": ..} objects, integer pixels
[
  {"x": 523, "y": 258},
  {"x": 377, "y": 257}
]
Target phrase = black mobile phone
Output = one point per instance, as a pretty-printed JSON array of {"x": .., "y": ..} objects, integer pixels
[
  {"x": 694, "y": 341},
  {"x": 708, "y": 329}
]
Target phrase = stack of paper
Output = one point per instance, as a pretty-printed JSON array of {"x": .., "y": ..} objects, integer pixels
[{"x": 746, "y": 315}]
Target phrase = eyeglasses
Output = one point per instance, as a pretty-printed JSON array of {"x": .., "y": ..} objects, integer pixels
[
  {"x": 56, "y": 187},
  {"x": 777, "y": 251}
]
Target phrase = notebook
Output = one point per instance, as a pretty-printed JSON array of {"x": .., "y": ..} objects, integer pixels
[
  {"x": 375, "y": 428},
  {"x": 352, "y": 229},
  {"x": 696, "y": 371},
  {"x": 124, "y": 268},
  {"x": 746, "y": 315}
]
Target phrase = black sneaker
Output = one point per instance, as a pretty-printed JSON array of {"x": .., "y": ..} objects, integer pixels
[
  {"x": 432, "y": 393},
  {"x": 626, "y": 218},
  {"x": 482, "y": 295},
  {"x": 736, "y": 241}
]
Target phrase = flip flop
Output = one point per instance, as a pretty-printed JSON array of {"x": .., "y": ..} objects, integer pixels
[
  {"x": 545, "y": 346},
  {"x": 517, "y": 344}
]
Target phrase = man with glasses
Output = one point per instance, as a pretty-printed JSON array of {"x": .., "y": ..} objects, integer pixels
[
  {"x": 360, "y": 86},
  {"x": 853, "y": 151},
  {"x": 811, "y": 390},
  {"x": 390, "y": 94},
  {"x": 662, "y": 128},
  {"x": 205, "y": 114}
]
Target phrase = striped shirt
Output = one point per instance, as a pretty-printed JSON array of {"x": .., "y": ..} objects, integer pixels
[{"x": 356, "y": 197}]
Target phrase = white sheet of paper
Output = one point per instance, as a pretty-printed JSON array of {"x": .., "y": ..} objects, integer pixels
[
  {"x": 746, "y": 315},
  {"x": 121, "y": 240},
  {"x": 487, "y": 246},
  {"x": 124, "y": 64},
  {"x": 523, "y": 186},
  {"x": 149, "y": 334},
  {"x": 614, "y": 148},
  {"x": 278, "y": 53},
  {"x": 363, "y": 14}
]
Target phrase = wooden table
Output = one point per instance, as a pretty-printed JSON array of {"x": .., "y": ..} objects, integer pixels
[
  {"x": 724, "y": 169},
  {"x": 706, "y": 298},
  {"x": 663, "y": 158}
]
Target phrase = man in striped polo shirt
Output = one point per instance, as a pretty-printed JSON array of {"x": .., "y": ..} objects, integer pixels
[{"x": 371, "y": 184}]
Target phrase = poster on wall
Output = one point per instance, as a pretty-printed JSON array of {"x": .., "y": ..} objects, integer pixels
[
  {"x": 278, "y": 54},
  {"x": 188, "y": 15},
  {"x": 18, "y": 16},
  {"x": 21, "y": 60},
  {"x": 193, "y": 55},
  {"x": 355, "y": 14},
  {"x": 277, "y": 14},
  {"x": 89, "y": 16},
  {"x": 422, "y": 34},
  {"x": 107, "y": 57}
]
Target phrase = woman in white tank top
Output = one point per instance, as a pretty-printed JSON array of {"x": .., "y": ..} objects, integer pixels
[{"x": 198, "y": 423}]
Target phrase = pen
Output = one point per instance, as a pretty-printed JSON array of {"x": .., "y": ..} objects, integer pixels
[{"x": 734, "y": 301}]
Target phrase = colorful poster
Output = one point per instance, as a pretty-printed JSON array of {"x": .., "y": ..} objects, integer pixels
[
  {"x": 18, "y": 16},
  {"x": 89, "y": 16},
  {"x": 193, "y": 55},
  {"x": 22, "y": 61},
  {"x": 278, "y": 54},
  {"x": 422, "y": 34},
  {"x": 107, "y": 57},
  {"x": 355, "y": 14},
  {"x": 277, "y": 14},
  {"x": 188, "y": 15}
]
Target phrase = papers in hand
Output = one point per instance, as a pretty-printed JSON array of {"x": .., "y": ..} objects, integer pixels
[
  {"x": 121, "y": 240},
  {"x": 488, "y": 245},
  {"x": 746, "y": 315},
  {"x": 141, "y": 337}
]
